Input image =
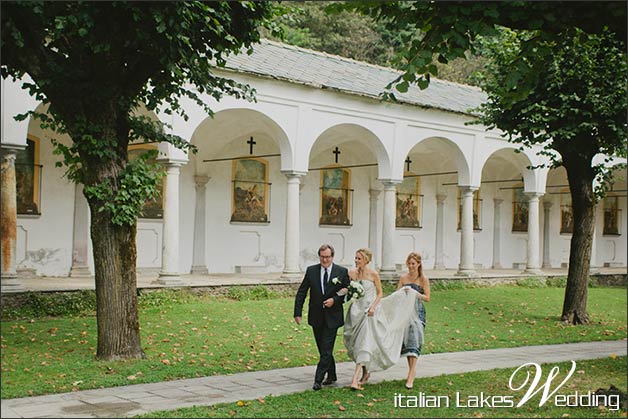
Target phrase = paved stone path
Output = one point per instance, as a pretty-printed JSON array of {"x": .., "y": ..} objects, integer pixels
[{"x": 142, "y": 398}]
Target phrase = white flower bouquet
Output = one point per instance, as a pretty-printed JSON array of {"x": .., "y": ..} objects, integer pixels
[{"x": 354, "y": 292}]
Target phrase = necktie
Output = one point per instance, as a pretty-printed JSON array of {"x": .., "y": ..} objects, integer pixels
[{"x": 325, "y": 279}]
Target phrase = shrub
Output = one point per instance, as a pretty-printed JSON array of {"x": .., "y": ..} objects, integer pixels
[
  {"x": 531, "y": 282},
  {"x": 41, "y": 304}
]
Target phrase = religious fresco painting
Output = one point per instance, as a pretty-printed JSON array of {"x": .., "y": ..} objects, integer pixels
[
  {"x": 566, "y": 212},
  {"x": 250, "y": 191},
  {"x": 153, "y": 208},
  {"x": 335, "y": 196},
  {"x": 477, "y": 205},
  {"x": 408, "y": 202},
  {"x": 611, "y": 216},
  {"x": 519, "y": 210},
  {"x": 27, "y": 179}
]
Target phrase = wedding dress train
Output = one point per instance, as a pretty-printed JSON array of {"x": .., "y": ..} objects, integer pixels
[{"x": 375, "y": 341}]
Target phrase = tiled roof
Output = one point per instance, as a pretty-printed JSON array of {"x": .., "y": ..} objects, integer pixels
[{"x": 321, "y": 70}]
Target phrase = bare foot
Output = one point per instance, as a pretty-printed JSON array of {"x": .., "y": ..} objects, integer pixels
[{"x": 365, "y": 378}]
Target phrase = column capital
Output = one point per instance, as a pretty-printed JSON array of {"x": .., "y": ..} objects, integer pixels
[
  {"x": 534, "y": 195},
  {"x": 171, "y": 162},
  {"x": 467, "y": 188},
  {"x": 201, "y": 180},
  {"x": 497, "y": 201},
  {"x": 12, "y": 149},
  {"x": 390, "y": 183},
  {"x": 293, "y": 174},
  {"x": 547, "y": 205},
  {"x": 440, "y": 198}
]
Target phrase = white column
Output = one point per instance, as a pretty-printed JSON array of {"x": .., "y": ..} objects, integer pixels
[
  {"x": 547, "y": 263},
  {"x": 292, "y": 243},
  {"x": 373, "y": 227},
  {"x": 199, "y": 266},
  {"x": 534, "y": 228},
  {"x": 80, "y": 237},
  {"x": 8, "y": 280},
  {"x": 440, "y": 216},
  {"x": 169, "y": 274},
  {"x": 594, "y": 267},
  {"x": 497, "y": 233},
  {"x": 388, "y": 269},
  {"x": 466, "y": 267}
]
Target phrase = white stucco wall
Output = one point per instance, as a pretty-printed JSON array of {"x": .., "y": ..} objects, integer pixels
[{"x": 304, "y": 124}]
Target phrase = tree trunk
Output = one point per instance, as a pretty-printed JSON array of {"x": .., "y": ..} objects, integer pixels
[
  {"x": 581, "y": 178},
  {"x": 116, "y": 288}
]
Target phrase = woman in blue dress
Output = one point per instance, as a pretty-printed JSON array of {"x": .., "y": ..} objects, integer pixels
[{"x": 413, "y": 336}]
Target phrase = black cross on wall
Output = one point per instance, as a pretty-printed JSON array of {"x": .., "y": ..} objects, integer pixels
[
  {"x": 336, "y": 152},
  {"x": 251, "y": 143},
  {"x": 408, "y": 161}
]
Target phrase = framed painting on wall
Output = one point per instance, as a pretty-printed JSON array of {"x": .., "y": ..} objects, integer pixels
[
  {"x": 408, "y": 202},
  {"x": 335, "y": 196},
  {"x": 566, "y": 212},
  {"x": 519, "y": 210},
  {"x": 250, "y": 191},
  {"x": 611, "y": 216},
  {"x": 28, "y": 178}
]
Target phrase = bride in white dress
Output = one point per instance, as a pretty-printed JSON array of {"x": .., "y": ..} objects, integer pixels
[{"x": 374, "y": 326}]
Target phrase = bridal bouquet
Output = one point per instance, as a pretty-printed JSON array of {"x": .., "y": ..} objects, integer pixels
[{"x": 355, "y": 291}]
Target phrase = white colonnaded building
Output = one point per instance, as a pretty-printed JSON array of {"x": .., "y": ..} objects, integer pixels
[{"x": 318, "y": 158}]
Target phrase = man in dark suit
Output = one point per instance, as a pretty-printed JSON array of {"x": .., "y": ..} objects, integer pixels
[{"x": 325, "y": 313}]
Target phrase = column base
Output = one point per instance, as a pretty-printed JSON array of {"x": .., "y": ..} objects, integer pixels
[
  {"x": 467, "y": 273},
  {"x": 388, "y": 275},
  {"x": 169, "y": 280},
  {"x": 199, "y": 270},
  {"x": 292, "y": 276},
  {"x": 497, "y": 266},
  {"x": 440, "y": 266},
  {"x": 80, "y": 272},
  {"x": 9, "y": 283},
  {"x": 533, "y": 271}
]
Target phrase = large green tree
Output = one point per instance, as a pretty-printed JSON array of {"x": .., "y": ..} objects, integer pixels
[
  {"x": 560, "y": 82},
  {"x": 96, "y": 64}
]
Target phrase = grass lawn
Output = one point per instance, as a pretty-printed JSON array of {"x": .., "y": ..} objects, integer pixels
[
  {"x": 185, "y": 335},
  {"x": 378, "y": 400}
]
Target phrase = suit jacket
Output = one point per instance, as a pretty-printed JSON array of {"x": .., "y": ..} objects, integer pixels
[{"x": 318, "y": 316}]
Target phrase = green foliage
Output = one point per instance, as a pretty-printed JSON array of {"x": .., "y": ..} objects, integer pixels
[
  {"x": 161, "y": 298},
  {"x": 532, "y": 282},
  {"x": 38, "y": 305},
  {"x": 576, "y": 98},
  {"x": 348, "y": 34},
  {"x": 206, "y": 335},
  {"x": 258, "y": 292},
  {"x": 556, "y": 281},
  {"x": 452, "y": 285},
  {"x": 444, "y": 31}
]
